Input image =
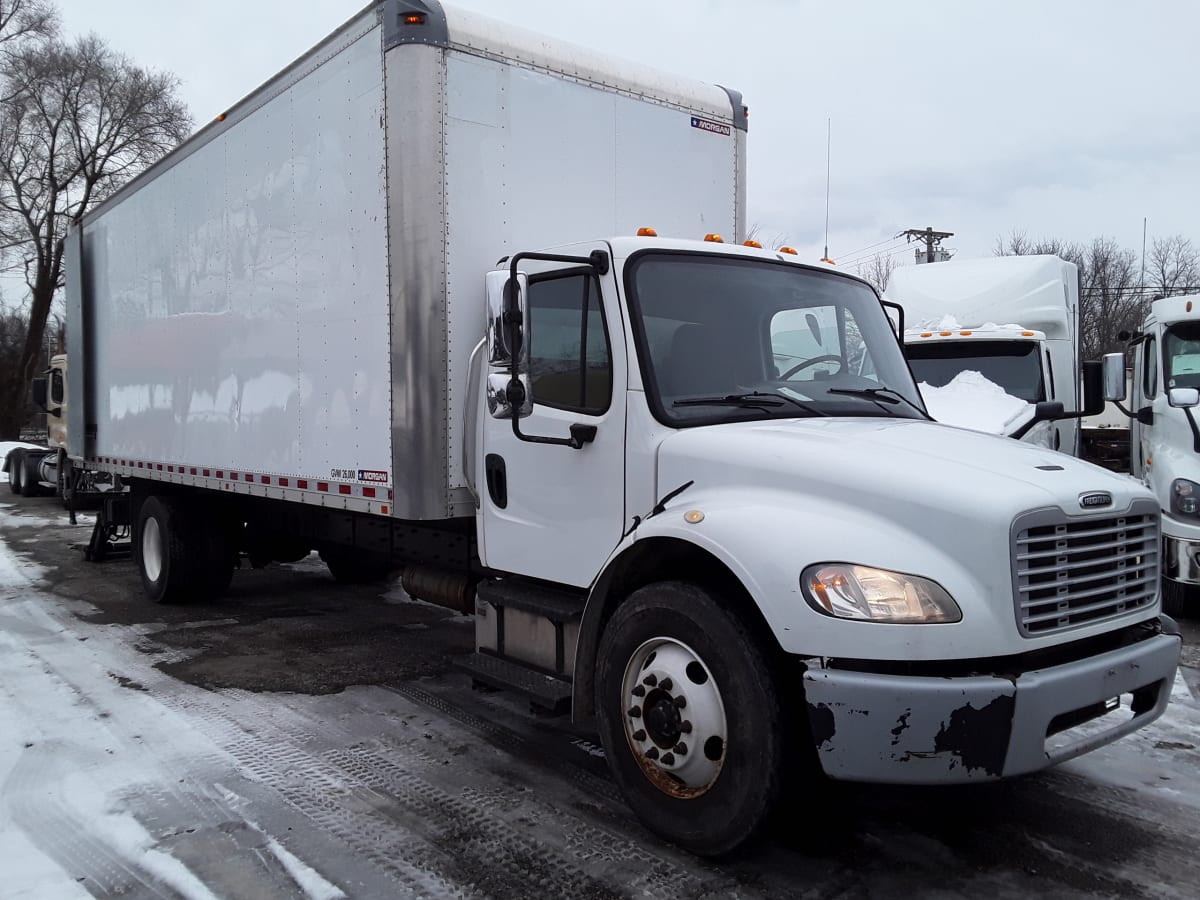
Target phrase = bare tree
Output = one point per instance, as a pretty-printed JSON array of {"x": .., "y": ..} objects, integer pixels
[
  {"x": 78, "y": 121},
  {"x": 24, "y": 19},
  {"x": 1174, "y": 266},
  {"x": 878, "y": 269},
  {"x": 1110, "y": 298}
]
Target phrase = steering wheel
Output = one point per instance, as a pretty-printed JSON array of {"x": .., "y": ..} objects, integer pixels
[{"x": 809, "y": 362}]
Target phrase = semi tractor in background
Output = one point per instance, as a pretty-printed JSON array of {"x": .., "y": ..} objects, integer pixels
[
  {"x": 990, "y": 339},
  {"x": 1163, "y": 390},
  {"x": 35, "y": 470},
  {"x": 450, "y": 314}
]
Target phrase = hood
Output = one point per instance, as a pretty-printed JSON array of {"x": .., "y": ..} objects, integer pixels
[{"x": 906, "y": 469}]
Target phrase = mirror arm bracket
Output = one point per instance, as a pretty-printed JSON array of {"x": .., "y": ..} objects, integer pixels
[{"x": 581, "y": 435}]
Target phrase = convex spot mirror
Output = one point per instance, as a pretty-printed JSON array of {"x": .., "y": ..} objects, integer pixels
[
  {"x": 508, "y": 321},
  {"x": 1114, "y": 377},
  {"x": 1183, "y": 398},
  {"x": 502, "y": 390}
]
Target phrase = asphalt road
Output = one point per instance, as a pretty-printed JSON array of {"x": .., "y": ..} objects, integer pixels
[{"x": 302, "y": 739}]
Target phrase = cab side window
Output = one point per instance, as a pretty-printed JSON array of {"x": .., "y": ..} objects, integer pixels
[
  {"x": 1150, "y": 368},
  {"x": 570, "y": 363},
  {"x": 56, "y": 386}
]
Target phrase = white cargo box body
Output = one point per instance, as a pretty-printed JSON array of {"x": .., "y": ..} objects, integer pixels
[{"x": 287, "y": 303}]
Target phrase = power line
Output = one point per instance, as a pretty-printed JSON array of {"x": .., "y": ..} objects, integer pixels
[
  {"x": 869, "y": 246},
  {"x": 847, "y": 260}
]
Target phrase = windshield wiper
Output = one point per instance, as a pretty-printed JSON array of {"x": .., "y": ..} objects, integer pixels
[
  {"x": 751, "y": 400},
  {"x": 880, "y": 395}
]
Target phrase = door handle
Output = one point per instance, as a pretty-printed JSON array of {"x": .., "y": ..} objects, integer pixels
[{"x": 496, "y": 475}]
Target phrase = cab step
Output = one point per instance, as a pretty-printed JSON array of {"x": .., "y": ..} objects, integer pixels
[
  {"x": 545, "y": 692},
  {"x": 556, "y": 604}
]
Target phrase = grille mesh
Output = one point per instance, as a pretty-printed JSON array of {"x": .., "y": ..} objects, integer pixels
[{"x": 1070, "y": 572}]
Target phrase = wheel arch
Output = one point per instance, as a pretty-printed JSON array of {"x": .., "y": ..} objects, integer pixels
[{"x": 658, "y": 558}]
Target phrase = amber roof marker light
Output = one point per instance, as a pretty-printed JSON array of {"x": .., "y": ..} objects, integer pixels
[{"x": 414, "y": 19}]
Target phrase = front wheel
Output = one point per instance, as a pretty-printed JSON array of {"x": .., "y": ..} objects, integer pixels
[
  {"x": 31, "y": 472},
  {"x": 690, "y": 717},
  {"x": 15, "y": 462}
]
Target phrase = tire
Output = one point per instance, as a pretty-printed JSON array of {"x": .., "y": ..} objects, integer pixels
[
  {"x": 350, "y": 567},
  {"x": 30, "y": 465},
  {"x": 1176, "y": 597},
  {"x": 182, "y": 557},
  {"x": 15, "y": 461},
  {"x": 717, "y": 793}
]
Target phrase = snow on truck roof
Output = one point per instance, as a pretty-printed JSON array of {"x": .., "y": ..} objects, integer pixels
[
  {"x": 1173, "y": 309},
  {"x": 1033, "y": 290}
]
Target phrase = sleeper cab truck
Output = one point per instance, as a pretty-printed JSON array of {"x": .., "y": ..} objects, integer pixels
[
  {"x": 40, "y": 470},
  {"x": 1015, "y": 321},
  {"x": 736, "y": 561}
]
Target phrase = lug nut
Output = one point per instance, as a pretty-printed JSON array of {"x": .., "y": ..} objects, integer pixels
[
  {"x": 651, "y": 680},
  {"x": 640, "y": 736},
  {"x": 652, "y": 753},
  {"x": 639, "y": 691},
  {"x": 685, "y": 726},
  {"x": 667, "y": 684},
  {"x": 635, "y": 712},
  {"x": 680, "y": 748},
  {"x": 668, "y": 759},
  {"x": 681, "y": 701}
]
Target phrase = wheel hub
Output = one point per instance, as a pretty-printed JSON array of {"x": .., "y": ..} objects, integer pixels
[{"x": 674, "y": 718}]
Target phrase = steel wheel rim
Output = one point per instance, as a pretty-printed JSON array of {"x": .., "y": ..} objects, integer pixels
[
  {"x": 152, "y": 555},
  {"x": 674, "y": 717}
]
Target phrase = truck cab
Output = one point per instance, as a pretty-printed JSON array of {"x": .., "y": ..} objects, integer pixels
[
  {"x": 1012, "y": 320},
  {"x": 801, "y": 510},
  {"x": 1164, "y": 438}
]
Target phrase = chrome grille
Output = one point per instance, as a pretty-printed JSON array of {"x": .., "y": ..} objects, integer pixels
[{"x": 1074, "y": 571}]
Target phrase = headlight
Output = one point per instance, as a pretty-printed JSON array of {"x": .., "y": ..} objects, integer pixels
[
  {"x": 1185, "y": 498},
  {"x": 860, "y": 592}
]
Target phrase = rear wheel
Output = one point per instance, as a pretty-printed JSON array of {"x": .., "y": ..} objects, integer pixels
[
  {"x": 690, "y": 717},
  {"x": 15, "y": 462},
  {"x": 1176, "y": 597},
  {"x": 181, "y": 556},
  {"x": 31, "y": 464}
]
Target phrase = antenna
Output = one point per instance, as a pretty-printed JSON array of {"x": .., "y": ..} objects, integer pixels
[{"x": 828, "y": 146}]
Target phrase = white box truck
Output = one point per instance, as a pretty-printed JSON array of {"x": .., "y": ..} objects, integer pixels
[
  {"x": 1164, "y": 438},
  {"x": 1009, "y": 322},
  {"x": 328, "y": 322}
]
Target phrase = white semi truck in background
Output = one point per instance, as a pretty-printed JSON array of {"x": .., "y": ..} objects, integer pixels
[
  {"x": 329, "y": 321},
  {"x": 1164, "y": 439},
  {"x": 1009, "y": 322}
]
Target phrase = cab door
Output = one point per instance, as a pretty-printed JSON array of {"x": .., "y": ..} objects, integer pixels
[
  {"x": 1146, "y": 386},
  {"x": 554, "y": 511}
]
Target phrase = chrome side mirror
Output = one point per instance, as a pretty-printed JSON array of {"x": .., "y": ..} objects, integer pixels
[
  {"x": 1183, "y": 398},
  {"x": 1114, "y": 377},
  {"x": 505, "y": 342},
  {"x": 500, "y": 396}
]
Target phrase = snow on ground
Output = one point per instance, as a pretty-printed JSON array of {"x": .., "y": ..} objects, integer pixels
[
  {"x": 80, "y": 742},
  {"x": 972, "y": 401}
]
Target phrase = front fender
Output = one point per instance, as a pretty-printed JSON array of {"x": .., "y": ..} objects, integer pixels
[{"x": 767, "y": 538}]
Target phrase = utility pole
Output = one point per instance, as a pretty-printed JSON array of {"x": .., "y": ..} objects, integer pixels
[{"x": 933, "y": 242}]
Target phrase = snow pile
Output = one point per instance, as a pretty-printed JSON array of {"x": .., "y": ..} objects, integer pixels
[
  {"x": 950, "y": 323},
  {"x": 972, "y": 401}
]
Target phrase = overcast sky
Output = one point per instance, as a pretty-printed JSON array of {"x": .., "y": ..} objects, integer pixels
[{"x": 1069, "y": 119}]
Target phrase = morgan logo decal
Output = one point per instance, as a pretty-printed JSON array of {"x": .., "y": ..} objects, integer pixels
[
  {"x": 373, "y": 475},
  {"x": 1095, "y": 500},
  {"x": 711, "y": 127}
]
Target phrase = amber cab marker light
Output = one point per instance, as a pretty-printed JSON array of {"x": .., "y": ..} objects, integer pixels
[
  {"x": 789, "y": 251},
  {"x": 1189, "y": 306},
  {"x": 755, "y": 244},
  {"x": 1026, "y": 334},
  {"x": 714, "y": 238},
  {"x": 647, "y": 232},
  {"x": 221, "y": 117}
]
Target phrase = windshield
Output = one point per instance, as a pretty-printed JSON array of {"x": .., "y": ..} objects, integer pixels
[
  {"x": 1181, "y": 355},
  {"x": 1014, "y": 365},
  {"x": 727, "y": 339}
]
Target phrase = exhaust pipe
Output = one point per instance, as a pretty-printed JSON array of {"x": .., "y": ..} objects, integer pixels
[{"x": 453, "y": 591}]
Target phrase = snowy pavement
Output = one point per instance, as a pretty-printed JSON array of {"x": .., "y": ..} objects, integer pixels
[{"x": 293, "y": 742}]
